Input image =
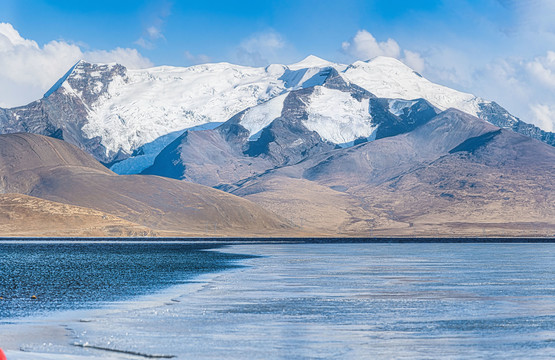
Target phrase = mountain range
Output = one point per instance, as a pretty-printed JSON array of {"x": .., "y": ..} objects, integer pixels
[{"x": 313, "y": 148}]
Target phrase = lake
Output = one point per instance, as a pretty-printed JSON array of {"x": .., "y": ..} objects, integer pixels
[
  {"x": 76, "y": 275},
  {"x": 282, "y": 301}
]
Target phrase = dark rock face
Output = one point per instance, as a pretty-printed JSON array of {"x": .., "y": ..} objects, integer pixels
[
  {"x": 390, "y": 125},
  {"x": 62, "y": 115},
  {"x": 335, "y": 81},
  {"x": 286, "y": 140},
  {"x": 472, "y": 144},
  {"x": 498, "y": 116},
  {"x": 418, "y": 114},
  {"x": 106, "y": 73}
]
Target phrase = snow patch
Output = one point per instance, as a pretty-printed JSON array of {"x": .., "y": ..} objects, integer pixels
[
  {"x": 258, "y": 117},
  {"x": 397, "y": 106},
  {"x": 310, "y": 61},
  {"x": 338, "y": 117}
]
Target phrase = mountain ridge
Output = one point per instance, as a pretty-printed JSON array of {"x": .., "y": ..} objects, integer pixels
[{"x": 111, "y": 112}]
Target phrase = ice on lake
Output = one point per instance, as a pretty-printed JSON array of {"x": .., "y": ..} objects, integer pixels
[{"x": 340, "y": 301}]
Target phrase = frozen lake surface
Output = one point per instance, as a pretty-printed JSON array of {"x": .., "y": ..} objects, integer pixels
[{"x": 313, "y": 301}]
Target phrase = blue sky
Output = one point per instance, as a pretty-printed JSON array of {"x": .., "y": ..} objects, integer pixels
[
  {"x": 499, "y": 49},
  {"x": 216, "y": 28}
]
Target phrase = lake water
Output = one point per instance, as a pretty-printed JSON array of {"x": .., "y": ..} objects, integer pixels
[
  {"x": 76, "y": 275},
  {"x": 311, "y": 301}
]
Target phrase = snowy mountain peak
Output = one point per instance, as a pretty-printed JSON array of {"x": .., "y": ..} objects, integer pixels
[
  {"x": 59, "y": 83},
  {"x": 383, "y": 66},
  {"x": 310, "y": 61},
  {"x": 389, "y": 78},
  {"x": 388, "y": 61}
]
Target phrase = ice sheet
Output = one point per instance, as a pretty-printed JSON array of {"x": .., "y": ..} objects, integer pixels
[{"x": 347, "y": 301}]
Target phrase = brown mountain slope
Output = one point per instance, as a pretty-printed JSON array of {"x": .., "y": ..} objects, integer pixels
[
  {"x": 54, "y": 170},
  {"x": 22, "y": 215},
  {"x": 454, "y": 176}
]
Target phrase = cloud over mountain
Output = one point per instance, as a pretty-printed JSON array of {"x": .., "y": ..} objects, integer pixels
[
  {"x": 28, "y": 69},
  {"x": 364, "y": 46},
  {"x": 526, "y": 85}
]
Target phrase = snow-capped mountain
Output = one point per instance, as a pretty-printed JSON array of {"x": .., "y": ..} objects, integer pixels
[
  {"x": 387, "y": 77},
  {"x": 331, "y": 148},
  {"x": 339, "y": 112},
  {"x": 287, "y": 130},
  {"x": 116, "y": 113}
]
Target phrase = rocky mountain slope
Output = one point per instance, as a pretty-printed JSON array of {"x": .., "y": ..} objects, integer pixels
[
  {"x": 57, "y": 173},
  {"x": 286, "y": 130},
  {"x": 28, "y": 216},
  {"x": 116, "y": 113},
  {"x": 420, "y": 171},
  {"x": 455, "y": 175}
]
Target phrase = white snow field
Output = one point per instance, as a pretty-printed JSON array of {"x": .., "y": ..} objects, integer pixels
[
  {"x": 387, "y": 77},
  {"x": 258, "y": 117},
  {"x": 338, "y": 117}
]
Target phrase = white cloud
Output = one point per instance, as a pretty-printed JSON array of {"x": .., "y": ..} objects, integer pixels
[
  {"x": 260, "y": 49},
  {"x": 364, "y": 46},
  {"x": 414, "y": 60},
  {"x": 197, "y": 59},
  {"x": 9, "y": 37},
  {"x": 28, "y": 70},
  {"x": 525, "y": 87},
  {"x": 542, "y": 69},
  {"x": 146, "y": 44},
  {"x": 153, "y": 32},
  {"x": 544, "y": 116}
]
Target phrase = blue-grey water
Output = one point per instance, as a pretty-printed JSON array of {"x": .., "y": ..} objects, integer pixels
[
  {"x": 64, "y": 276},
  {"x": 344, "y": 301}
]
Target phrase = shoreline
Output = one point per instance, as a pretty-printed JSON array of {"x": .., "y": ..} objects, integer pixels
[
  {"x": 280, "y": 240},
  {"x": 54, "y": 329}
]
